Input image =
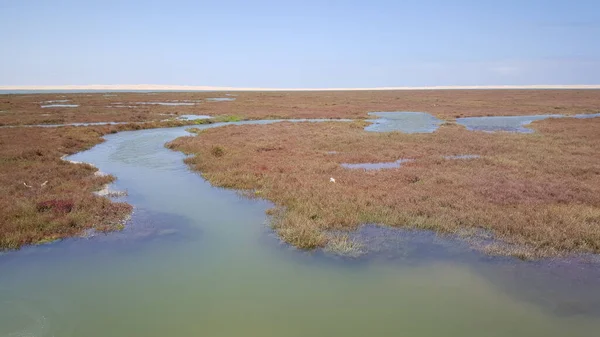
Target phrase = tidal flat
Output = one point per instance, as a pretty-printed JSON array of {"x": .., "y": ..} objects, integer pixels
[
  {"x": 257, "y": 232},
  {"x": 19, "y": 109}
]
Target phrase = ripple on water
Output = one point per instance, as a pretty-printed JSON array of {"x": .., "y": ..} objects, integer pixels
[
  {"x": 166, "y": 103},
  {"x": 22, "y": 321},
  {"x": 30, "y": 317}
]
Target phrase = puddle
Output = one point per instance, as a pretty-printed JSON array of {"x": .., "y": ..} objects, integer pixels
[
  {"x": 166, "y": 103},
  {"x": 193, "y": 117},
  {"x": 502, "y": 123},
  {"x": 419, "y": 122},
  {"x": 220, "y": 99},
  {"x": 137, "y": 104},
  {"x": 463, "y": 156},
  {"x": 407, "y": 122},
  {"x": 60, "y": 106},
  {"x": 377, "y": 166},
  {"x": 58, "y": 101},
  {"x": 585, "y": 116},
  {"x": 196, "y": 258},
  {"x": 398, "y": 163}
]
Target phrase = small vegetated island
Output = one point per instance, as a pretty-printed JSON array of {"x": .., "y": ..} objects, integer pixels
[{"x": 535, "y": 194}]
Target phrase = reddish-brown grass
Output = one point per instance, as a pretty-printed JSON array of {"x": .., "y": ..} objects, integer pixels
[
  {"x": 39, "y": 213},
  {"x": 540, "y": 191},
  {"x": 446, "y": 104},
  {"x": 44, "y": 198},
  {"x": 59, "y": 202}
]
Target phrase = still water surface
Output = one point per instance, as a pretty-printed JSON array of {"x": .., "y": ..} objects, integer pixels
[{"x": 199, "y": 261}]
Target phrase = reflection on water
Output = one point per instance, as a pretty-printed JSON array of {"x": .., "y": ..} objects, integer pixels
[
  {"x": 397, "y": 163},
  {"x": 419, "y": 122},
  {"x": 584, "y": 116},
  {"x": 166, "y": 103},
  {"x": 60, "y": 106},
  {"x": 377, "y": 166},
  {"x": 502, "y": 123},
  {"x": 199, "y": 261},
  {"x": 463, "y": 156},
  {"x": 193, "y": 117},
  {"x": 58, "y": 101},
  {"x": 221, "y": 99},
  {"x": 407, "y": 122}
]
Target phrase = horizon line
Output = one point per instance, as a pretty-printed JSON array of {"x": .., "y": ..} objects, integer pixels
[{"x": 158, "y": 87}]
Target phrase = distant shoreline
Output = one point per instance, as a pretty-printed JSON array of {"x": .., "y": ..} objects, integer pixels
[{"x": 151, "y": 87}]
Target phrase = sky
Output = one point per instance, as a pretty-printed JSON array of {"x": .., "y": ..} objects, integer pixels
[{"x": 300, "y": 44}]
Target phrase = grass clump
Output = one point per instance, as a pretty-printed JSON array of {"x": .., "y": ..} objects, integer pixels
[
  {"x": 228, "y": 118},
  {"x": 343, "y": 245},
  {"x": 203, "y": 121},
  {"x": 217, "y": 151}
]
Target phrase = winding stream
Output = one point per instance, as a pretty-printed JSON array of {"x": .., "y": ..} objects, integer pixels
[{"x": 199, "y": 261}]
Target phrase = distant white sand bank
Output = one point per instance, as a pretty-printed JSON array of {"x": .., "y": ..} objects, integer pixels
[{"x": 152, "y": 87}]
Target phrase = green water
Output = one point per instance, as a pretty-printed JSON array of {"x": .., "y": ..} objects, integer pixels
[{"x": 200, "y": 261}]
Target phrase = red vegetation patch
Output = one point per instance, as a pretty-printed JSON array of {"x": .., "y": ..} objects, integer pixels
[
  {"x": 43, "y": 197},
  {"x": 58, "y": 206}
]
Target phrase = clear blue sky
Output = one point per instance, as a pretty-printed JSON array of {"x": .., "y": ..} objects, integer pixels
[{"x": 310, "y": 43}]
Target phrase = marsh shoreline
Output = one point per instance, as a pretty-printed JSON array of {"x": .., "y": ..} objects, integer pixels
[{"x": 257, "y": 105}]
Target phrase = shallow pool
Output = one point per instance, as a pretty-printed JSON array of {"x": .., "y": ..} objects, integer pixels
[
  {"x": 407, "y": 122},
  {"x": 502, "y": 123},
  {"x": 221, "y": 99},
  {"x": 193, "y": 117},
  {"x": 166, "y": 103},
  {"x": 420, "y": 122},
  {"x": 58, "y": 101},
  {"x": 377, "y": 166},
  {"x": 59, "y": 106}
]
